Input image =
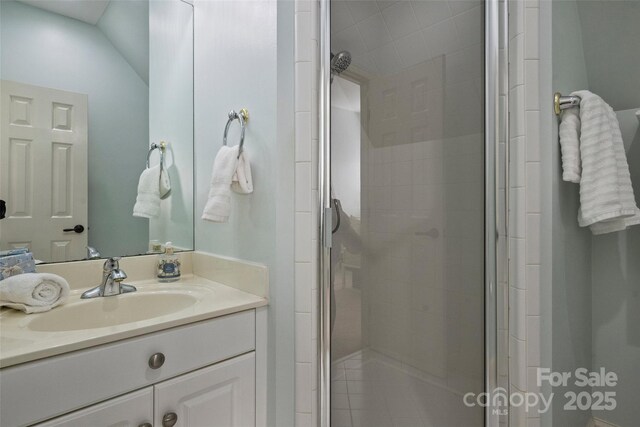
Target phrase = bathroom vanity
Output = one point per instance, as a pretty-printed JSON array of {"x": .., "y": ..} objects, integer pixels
[{"x": 189, "y": 353}]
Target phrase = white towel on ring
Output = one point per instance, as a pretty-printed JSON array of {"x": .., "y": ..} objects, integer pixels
[
  {"x": 33, "y": 292},
  {"x": 607, "y": 202},
  {"x": 148, "y": 200},
  {"x": 218, "y": 206},
  {"x": 242, "y": 181}
]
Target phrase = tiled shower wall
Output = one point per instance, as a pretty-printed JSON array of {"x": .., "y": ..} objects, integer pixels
[
  {"x": 524, "y": 221},
  {"x": 306, "y": 209},
  {"x": 422, "y": 218}
]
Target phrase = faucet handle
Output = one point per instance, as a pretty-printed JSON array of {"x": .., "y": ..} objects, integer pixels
[{"x": 111, "y": 263}]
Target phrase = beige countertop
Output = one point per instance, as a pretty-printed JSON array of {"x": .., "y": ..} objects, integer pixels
[{"x": 24, "y": 338}]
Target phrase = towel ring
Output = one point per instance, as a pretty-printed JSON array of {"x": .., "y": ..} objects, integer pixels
[
  {"x": 162, "y": 147},
  {"x": 243, "y": 118}
]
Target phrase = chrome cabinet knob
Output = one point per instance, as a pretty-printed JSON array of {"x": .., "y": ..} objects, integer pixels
[
  {"x": 156, "y": 360},
  {"x": 145, "y": 425},
  {"x": 170, "y": 419}
]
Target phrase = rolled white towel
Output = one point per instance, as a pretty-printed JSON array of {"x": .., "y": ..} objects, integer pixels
[
  {"x": 148, "y": 200},
  {"x": 33, "y": 292}
]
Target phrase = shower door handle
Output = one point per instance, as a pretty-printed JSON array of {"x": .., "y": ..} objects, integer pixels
[{"x": 328, "y": 220}]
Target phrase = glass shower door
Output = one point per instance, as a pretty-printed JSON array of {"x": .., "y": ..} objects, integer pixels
[{"x": 408, "y": 201}]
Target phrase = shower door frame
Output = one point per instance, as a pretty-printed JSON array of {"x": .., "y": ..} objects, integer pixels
[{"x": 493, "y": 121}]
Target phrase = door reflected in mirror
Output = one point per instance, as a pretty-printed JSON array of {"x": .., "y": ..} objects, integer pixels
[{"x": 88, "y": 87}]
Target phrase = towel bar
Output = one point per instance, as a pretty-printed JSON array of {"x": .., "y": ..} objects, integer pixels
[
  {"x": 561, "y": 102},
  {"x": 243, "y": 118}
]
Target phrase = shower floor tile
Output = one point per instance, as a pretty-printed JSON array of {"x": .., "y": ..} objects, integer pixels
[{"x": 372, "y": 390}]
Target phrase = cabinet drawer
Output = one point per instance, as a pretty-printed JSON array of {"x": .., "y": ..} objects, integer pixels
[
  {"x": 50, "y": 387},
  {"x": 131, "y": 410}
]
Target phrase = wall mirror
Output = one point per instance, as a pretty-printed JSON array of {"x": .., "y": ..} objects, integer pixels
[{"x": 88, "y": 86}]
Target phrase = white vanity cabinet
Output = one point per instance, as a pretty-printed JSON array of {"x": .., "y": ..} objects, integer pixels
[
  {"x": 205, "y": 372},
  {"x": 131, "y": 410},
  {"x": 221, "y": 395}
]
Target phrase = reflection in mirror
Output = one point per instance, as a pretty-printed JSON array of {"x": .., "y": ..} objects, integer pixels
[{"x": 87, "y": 88}]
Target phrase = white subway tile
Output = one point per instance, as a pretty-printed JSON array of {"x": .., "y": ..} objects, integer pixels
[
  {"x": 302, "y": 419},
  {"x": 533, "y": 340},
  {"x": 533, "y": 239},
  {"x": 303, "y": 187},
  {"x": 303, "y": 40},
  {"x": 516, "y": 61},
  {"x": 303, "y": 337},
  {"x": 533, "y": 290},
  {"x": 531, "y": 33},
  {"x": 303, "y": 283},
  {"x": 518, "y": 363},
  {"x": 303, "y": 387},
  {"x": 303, "y": 86},
  {"x": 533, "y": 187},
  {"x": 532, "y": 101},
  {"x": 303, "y": 237},
  {"x": 532, "y": 119},
  {"x": 303, "y": 136},
  {"x": 516, "y": 107},
  {"x": 517, "y": 260}
]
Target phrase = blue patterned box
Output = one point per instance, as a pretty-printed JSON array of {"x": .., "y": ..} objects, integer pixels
[{"x": 18, "y": 263}]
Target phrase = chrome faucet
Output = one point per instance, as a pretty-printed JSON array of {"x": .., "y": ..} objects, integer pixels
[{"x": 112, "y": 278}]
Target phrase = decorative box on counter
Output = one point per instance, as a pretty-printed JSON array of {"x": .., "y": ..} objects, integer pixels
[{"x": 16, "y": 261}]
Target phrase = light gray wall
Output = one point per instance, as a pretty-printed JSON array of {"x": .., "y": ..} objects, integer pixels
[
  {"x": 126, "y": 25},
  {"x": 611, "y": 36},
  {"x": 596, "y": 279},
  {"x": 171, "y": 115},
  {"x": 571, "y": 283},
  {"x": 616, "y": 297},
  {"x": 244, "y": 58},
  {"x": 45, "y": 49}
]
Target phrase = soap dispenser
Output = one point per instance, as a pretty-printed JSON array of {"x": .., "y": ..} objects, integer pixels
[{"x": 168, "y": 265}]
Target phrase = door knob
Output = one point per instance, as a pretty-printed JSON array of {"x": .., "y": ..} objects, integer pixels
[
  {"x": 170, "y": 419},
  {"x": 78, "y": 229},
  {"x": 156, "y": 360}
]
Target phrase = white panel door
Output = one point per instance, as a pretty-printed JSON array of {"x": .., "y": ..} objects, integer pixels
[
  {"x": 43, "y": 171},
  {"x": 131, "y": 410},
  {"x": 221, "y": 395}
]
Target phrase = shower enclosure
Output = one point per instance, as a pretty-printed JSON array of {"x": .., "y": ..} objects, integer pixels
[{"x": 413, "y": 212}]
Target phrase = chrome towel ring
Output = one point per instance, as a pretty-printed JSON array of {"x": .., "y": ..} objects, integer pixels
[
  {"x": 243, "y": 118},
  {"x": 162, "y": 147}
]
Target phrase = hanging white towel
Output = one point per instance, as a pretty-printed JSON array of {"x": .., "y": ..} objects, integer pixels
[
  {"x": 33, "y": 292},
  {"x": 148, "y": 200},
  {"x": 570, "y": 144},
  {"x": 165, "y": 183},
  {"x": 218, "y": 206},
  {"x": 607, "y": 203},
  {"x": 242, "y": 181}
]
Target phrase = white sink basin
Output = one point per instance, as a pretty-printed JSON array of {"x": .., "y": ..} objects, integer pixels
[
  {"x": 111, "y": 311},
  {"x": 83, "y": 323}
]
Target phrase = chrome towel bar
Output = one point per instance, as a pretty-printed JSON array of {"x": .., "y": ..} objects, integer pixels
[
  {"x": 243, "y": 117},
  {"x": 561, "y": 102}
]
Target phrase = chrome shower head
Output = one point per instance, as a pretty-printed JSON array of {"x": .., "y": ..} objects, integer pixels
[{"x": 340, "y": 62}]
